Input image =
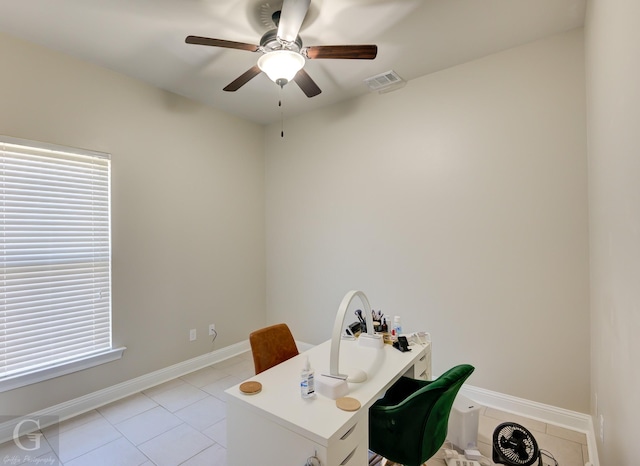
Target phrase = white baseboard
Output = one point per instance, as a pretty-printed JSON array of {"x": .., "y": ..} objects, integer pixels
[
  {"x": 102, "y": 397},
  {"x": 539, "y": 411}
]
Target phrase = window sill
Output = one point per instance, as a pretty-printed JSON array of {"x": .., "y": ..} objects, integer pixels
[{"x": 40, "y": 375}]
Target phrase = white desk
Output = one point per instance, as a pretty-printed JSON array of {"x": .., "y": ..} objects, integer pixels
[{"x": 278, "y": 427}]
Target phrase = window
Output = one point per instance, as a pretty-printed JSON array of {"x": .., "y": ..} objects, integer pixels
[{"x": 55, "y": 261}]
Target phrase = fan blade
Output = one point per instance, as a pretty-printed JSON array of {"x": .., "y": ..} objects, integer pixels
[
  {"x": 243, "y": 79},
  {"x": 291, "y": 18},
  {"x": 308, "y": 85},
  {"x": 522, "y": 452},
  {"x": 359, "y": 52},
  {"x": 221, "y": 43}
]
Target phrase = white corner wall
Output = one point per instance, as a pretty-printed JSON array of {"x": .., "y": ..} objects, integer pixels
[
  {"x": 613, "y": 108},
  {"x": 458, "y": 202},
  {"x": 187, "y": 212}
]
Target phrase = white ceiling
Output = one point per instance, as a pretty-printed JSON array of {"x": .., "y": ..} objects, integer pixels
[{"x": 145, "y": 39}]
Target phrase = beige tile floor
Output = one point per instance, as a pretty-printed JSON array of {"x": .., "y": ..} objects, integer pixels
[{"x": 182, "y": 422}]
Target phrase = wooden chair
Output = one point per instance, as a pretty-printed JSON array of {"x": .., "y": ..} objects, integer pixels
[{"x": 272, "y": 345}]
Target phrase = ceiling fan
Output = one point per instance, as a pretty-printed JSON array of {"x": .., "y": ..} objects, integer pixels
[{"x": 283, "y": 55}]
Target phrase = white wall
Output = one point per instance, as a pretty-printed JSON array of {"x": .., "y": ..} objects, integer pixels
[
  {"x": 613, "y": 95},
  {"x": 187, "y": 212},
  {"x": 458, "y": 202}
]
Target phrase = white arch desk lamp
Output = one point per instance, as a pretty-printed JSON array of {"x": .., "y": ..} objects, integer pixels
[{"x": 339, "y": 385}]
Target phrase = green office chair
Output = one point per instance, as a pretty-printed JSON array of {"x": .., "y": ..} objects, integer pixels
[{"x": 409, "y": 424}]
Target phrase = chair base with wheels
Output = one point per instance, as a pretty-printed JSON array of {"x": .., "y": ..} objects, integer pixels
[{"x": 377, "y": 460}]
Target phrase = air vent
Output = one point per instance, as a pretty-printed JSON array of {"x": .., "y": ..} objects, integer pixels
[{"x": 385, "y": 82}]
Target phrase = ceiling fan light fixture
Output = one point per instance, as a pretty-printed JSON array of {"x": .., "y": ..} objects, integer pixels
[{"x": 281, "y": 65}]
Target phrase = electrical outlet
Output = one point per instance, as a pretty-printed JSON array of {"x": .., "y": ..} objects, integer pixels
[
  {"x": 192, "y": 334},
  {"x": 212, "y": 329}
]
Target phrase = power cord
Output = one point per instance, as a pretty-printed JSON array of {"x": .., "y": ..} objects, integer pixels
[
  {"x": 549, "y": 456},
  {"x": 449, "y": 451}
]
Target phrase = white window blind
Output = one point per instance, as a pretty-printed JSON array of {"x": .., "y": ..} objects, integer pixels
[{"x": 55, "y": 273}]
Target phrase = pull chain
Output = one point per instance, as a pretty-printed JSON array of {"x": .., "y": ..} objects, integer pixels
[{"x": 281, "y": 113}]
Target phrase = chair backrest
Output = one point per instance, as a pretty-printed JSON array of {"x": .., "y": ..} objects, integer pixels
[
  {"x": 410, "y": 426},
  {"x": 272, "y": 345},
  {"x": 447, "y": 385}
]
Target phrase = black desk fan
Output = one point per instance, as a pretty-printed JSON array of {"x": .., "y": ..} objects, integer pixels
[{"x": 514, "y": 445}]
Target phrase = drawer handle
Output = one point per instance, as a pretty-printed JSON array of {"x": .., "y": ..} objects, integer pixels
[
  {"x": 423, "y": 358},
  {"x": 346, "y": 460},
  {"x": 424, "y": 374},
  {"x": 349, "y": 432}
]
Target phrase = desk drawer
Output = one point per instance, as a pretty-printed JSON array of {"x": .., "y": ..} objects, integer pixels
[
  {"x": 350, "y": 445},
  {"x": 422, "y": 367},
  {"x": 357, "y": 457}
]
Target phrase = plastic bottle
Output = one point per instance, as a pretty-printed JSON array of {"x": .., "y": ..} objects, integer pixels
[
  {"x": 397, "y": 326},
  {"x": 307, "y": 385}
]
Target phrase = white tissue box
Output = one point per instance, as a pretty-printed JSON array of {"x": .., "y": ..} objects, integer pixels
[
  {"x": 371, "y": 341},
  {"x": 331, "y": 387}
]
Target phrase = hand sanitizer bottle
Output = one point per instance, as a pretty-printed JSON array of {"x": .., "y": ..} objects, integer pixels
[
  {"x": 307, "y": 388},
  {"x": 397, "y": 326}
]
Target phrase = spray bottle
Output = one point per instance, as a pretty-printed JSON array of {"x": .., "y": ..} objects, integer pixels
[{"x": 307, "y": 385}]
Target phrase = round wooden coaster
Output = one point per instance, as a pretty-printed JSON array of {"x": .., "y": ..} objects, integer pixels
[
  {"x": 251, "y": 387},
  {"x": 348, "y": 404}
]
